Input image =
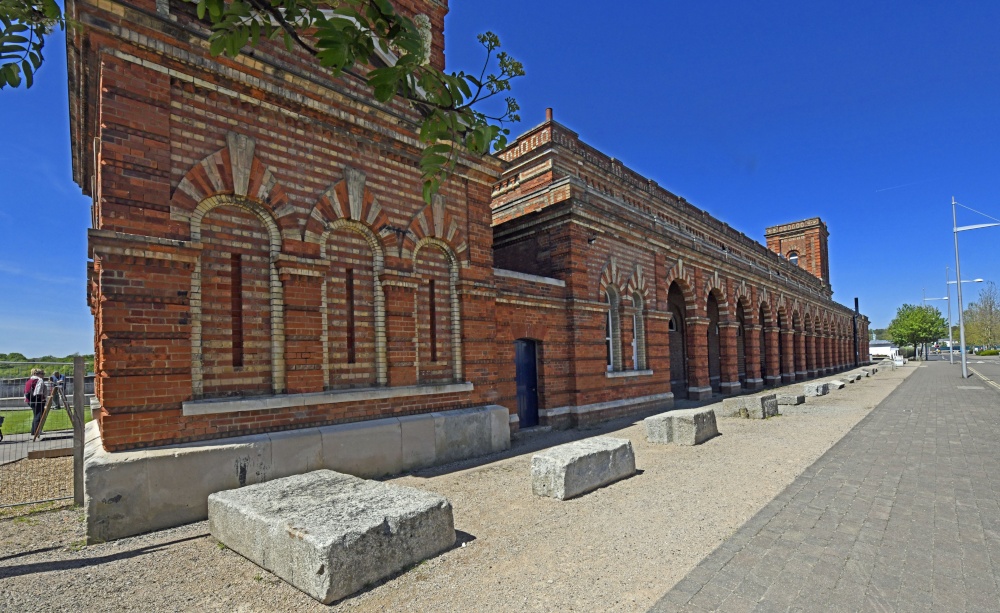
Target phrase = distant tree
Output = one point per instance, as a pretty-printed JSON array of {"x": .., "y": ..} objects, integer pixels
[
  {"x": 881, "y": 334},
  {"x": 915, "y": 324},
  {"x": 982, "y": 317},
  {"x": 340, "y": 36}
]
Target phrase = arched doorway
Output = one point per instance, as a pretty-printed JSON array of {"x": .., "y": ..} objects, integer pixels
[
  {"x": 765, "y": 321},
  {"x": 714, "y": 346},
  {"x": 741, "y": 356},
  {"x": 526, "y": 365},
  {"x": 678, "y": 341},
  {"x": 783, "y": 369}
]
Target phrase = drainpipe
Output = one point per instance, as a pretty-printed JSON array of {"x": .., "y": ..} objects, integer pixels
[{"x": 854, "y": 322}]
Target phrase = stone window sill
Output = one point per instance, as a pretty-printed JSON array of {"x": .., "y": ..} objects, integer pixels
[
  {"x": 628, "y": 373},
  {"x": 262, "y": 403}
]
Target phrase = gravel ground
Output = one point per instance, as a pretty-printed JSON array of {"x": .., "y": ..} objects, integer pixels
[
  {"x": 616, "y": 549},
  {"x": 26, "y": 480}
]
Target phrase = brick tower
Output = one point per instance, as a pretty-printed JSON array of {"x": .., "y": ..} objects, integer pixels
[{"x": 803, "y": 243}]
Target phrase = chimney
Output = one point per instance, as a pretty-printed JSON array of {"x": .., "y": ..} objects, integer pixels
[{"x": 548, "y": 114}]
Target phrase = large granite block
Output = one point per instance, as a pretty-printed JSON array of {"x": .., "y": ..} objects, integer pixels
[
  {"x": 682, "y": 427},
  {"x": 579, "y": 467},
  {"x": 816, "y": 389},
  {"x": 330, "y": 534},
  {"x": 759, "y": 406},
  {"x": 836, "y": 384},
  {"x": 791, "y": 399}
]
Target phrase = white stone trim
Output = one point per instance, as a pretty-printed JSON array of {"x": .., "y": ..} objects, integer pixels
[
  {"x": 604, "y": 406},
  {"x": 263, "y": 403},
  {"x": 503, "y": 272},
  {"x": 698, "y": 390},
  {"x": 514, "y": 418},
  {"x": 628, "y": 373}
]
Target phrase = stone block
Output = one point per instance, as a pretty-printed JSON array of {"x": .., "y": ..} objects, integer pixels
[
  {"x": 330, "y": 534},
  {"x": 816, "y": 389},
  {"x": 836, "y": 384},
  {"x": 682, "y": 427},
  {"x": 579, "y": 467},
  {"x": 791, "y": 399},
  {"x": 364, "y": 448},
  {"x": 467, "y": 433},
  {"x": 760, "y": 406}
]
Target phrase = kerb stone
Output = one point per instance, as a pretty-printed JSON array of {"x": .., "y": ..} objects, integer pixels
[
  {"x": 682, "y": 427},
  {"x": 579, "y": 467},
  {"x": 791, "y": 399},
  {"x": 330, "y": 534},
  {"x": 816, "y": 389}
]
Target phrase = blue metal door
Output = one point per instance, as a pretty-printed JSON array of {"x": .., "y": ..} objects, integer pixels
[{"x": 527, "y": 382}]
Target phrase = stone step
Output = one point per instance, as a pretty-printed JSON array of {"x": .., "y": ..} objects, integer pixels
[
  {"x": 330, "y": 534},
  {"x": 579, "y": 467}
]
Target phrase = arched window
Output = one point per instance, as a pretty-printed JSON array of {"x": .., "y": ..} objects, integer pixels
[
  {"x": 612, "y": 332},
  {"x": 793, "y": 258},
  {"x": 638, "y": 333}
]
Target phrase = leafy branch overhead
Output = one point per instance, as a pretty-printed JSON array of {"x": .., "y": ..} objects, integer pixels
[
  {"x": 24, "y": 24},
  {"x": 392, "y": 53}
]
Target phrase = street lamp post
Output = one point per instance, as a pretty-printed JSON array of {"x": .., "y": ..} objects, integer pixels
[
  {"x": 958, "y": 279},
  {"x": 948, "y": 284}
]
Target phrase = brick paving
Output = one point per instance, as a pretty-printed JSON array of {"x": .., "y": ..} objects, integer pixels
[{"x": 903, "y": 514}]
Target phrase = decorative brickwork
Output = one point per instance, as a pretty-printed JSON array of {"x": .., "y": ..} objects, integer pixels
[{"x": 263, "y": 259}]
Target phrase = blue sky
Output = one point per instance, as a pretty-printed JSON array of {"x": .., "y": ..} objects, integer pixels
[{"x": 869, "y": 115}]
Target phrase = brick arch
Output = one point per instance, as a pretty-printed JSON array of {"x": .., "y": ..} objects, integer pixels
[
  {"x": 742, "y": 294},
  {"x": 378, "y": 267},
  {"x": 348, "y": 199},
  {"x": 611, "y": 277},
  {"x": 456, "y": 323},
  {"x": 716, "y": 286},
  {"x": 235, "y": 171},
  {"x": 637, "y": 285},
  {"x": 276, "y": 291},
  {"x": 683, "y": 275},
  {"x": 435, "y": 222}
]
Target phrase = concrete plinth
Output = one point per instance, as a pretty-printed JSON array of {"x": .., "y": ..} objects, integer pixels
[
  {"x": 132, "y": 492},
  {"x": 699, "y": 393},
  {"x": 579, "y": 467},
  {"x": 683, "y": 427},
  {"x": 331, "y": 534}
]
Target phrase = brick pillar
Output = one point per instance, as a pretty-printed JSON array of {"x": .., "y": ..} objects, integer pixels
[
  {"x": 401, "y": 350},
  {"x": 800, "y": 355},
  {"x": 751, "y": 348},
  {"x": 699, "y": 385},
  {"x": 773, "y": 375},
  {"x": 730, "y": 380},
  {"x": 786, "y": 337},
  {"x": 827, "y": 354}
]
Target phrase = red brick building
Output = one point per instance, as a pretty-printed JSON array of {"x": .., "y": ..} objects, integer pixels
[{"x": 263, "y": 260}]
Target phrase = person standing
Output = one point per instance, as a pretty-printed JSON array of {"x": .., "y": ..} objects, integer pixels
[
  {"x": 57, "y": 380},
  {"x": 34, "y": 395}
]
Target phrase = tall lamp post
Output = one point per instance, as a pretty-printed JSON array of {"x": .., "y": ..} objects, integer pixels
[
  {"x": 958, "y": 278},
  {"x": 948, "y": 284}
]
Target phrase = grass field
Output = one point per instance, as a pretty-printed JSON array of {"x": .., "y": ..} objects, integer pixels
[{"x": 18, "y": 421}]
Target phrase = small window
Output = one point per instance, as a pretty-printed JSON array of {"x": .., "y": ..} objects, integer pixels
[
  {"x": 672, "y": 326},
  {"x": 793, "y": 258}
]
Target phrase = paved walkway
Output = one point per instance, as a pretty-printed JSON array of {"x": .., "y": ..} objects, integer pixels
[{"x": 903, "y": 514}]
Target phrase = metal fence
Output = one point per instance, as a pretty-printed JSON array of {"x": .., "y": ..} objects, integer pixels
[{"x": 38, "y": 469}]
